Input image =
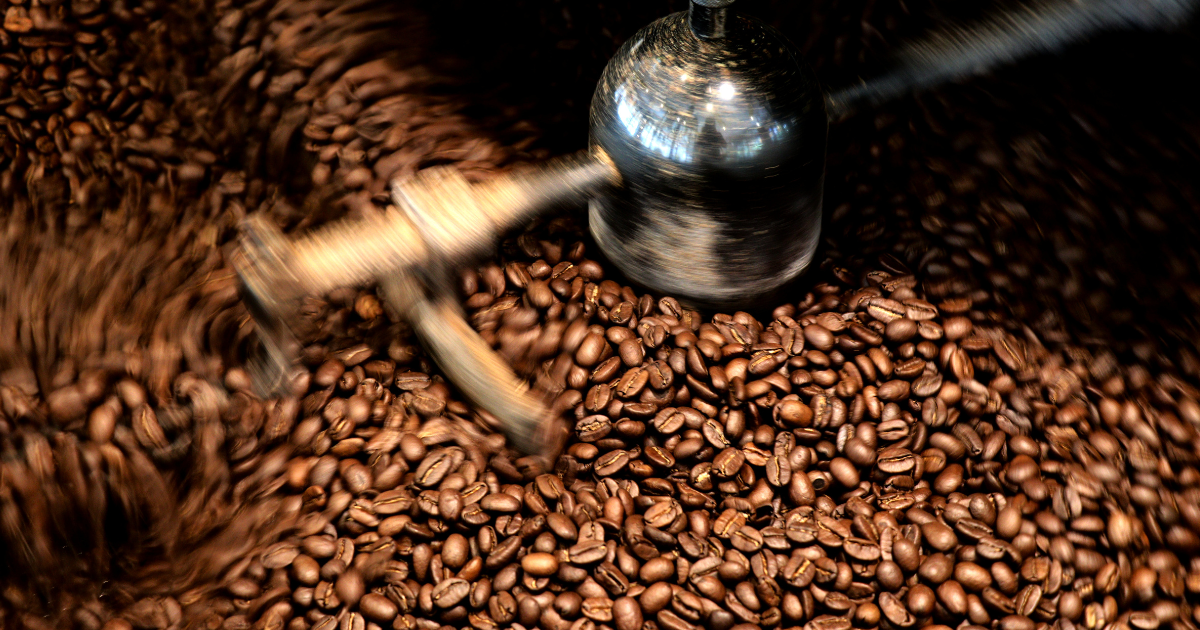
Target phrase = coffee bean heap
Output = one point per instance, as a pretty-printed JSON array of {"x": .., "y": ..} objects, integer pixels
[
  {"x": 866, "y": 459},
  {"x": 112, "y": 453},
  {"x": 919, "y": 440},
  {"x": 88, "y": 112},
  {"x": 336, "y": 99},
  {"x": 860, "y": 419}
]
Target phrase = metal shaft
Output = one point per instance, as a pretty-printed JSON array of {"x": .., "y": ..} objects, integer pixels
[
  {"x": 1004, "y": 37},
  {"x": 442, "y": 215}
]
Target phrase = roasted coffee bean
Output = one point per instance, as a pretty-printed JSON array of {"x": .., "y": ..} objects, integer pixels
[
  {"x": 598, "y": 609},
  {"x": 612, "y": 462},
  {"x": 656, "y": 597},
  {"x": 627, "y": 613},
  {"x": 434, "y": 467},
  {"x": 539, "y": 564},
  {"x": 448, "y": 593},
  {"x": 844, "y": 471},
  {"x": 587, "y": 552},
  {"x": 895, "y": 611},
  {"x": 920, "y": 600},
  {"x": 972, "y": 576},
  {"x": 503, "y": 553},
  {"x": 500, "y": 502},
  {"x": 728, "y": 462},
  {"x": 895, "y": 460},
  {"x": 1016, "y": 622},
  {"x": 939, "y": 536},
  {"x": 861, "y": 550},
  {"x": 377, "y": 608},
  {"x": 280, "y": 555},
  {"x": 937, "y": 568}
]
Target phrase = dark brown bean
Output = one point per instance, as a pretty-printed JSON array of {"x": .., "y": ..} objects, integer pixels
[
  {"x": 378, "y": 608},
  {"x": 448, "y": 593},
  {"x": 539, "y": 564}
]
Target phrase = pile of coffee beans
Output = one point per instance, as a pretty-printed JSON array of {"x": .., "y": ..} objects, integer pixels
[
  {"x": 96, "y": 102},
  {"x": 867, "y": 458},
  {"x": 963, "y": 417},
  {"x": 866, "y": 455}
]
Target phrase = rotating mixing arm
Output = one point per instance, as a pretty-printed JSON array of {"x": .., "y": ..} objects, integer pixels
[
  {"x": 439, "y": 219},
  {"x": 1005, "y": 37}
]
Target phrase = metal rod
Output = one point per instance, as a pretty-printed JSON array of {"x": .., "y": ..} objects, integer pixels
[
  {"x": 442, "y": 214},
  {"x": 707, "y": 18},
  {"x": 1004, "y": 37}
]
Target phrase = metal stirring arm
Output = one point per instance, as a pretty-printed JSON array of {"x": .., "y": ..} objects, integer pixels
[
  {"x": 439, "y": 219},
  {"x": 1005, "y": 37},
  {"x": 468, "y": 362},
  {"x": 271, "y": 296}
]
